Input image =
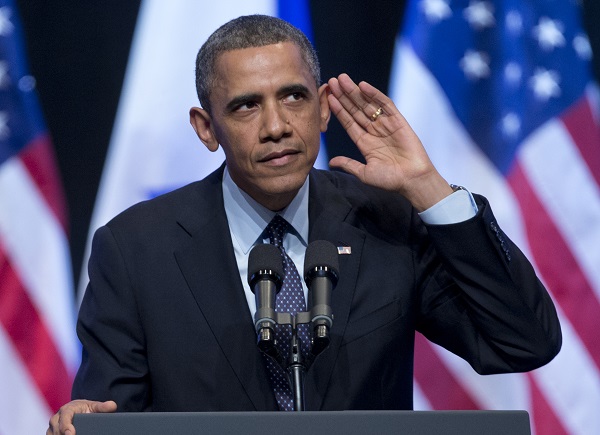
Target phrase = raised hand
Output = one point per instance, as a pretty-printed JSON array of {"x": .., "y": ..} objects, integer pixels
[{"x": 395, "y": 157}]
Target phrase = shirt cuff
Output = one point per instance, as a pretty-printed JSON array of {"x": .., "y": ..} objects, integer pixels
[{"x": 457, "y": 207}]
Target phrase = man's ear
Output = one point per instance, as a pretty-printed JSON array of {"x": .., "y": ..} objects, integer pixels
[
  {"x": 324, "y": 107},
  {"x": 202, "y": 124}
]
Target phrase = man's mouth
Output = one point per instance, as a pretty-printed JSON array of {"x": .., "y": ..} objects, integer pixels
[{"x": 279, "y": 158}]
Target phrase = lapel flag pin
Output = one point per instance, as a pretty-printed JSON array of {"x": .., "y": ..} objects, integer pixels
[{"x": 347, "y": 250}]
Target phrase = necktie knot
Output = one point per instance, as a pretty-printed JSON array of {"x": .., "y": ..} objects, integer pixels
[{"x": 276, "y": 230}]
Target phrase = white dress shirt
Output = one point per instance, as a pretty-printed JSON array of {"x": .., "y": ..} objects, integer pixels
[{"x": 248, "y": 219}]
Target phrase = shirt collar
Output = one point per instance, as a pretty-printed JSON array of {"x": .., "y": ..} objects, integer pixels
[{"x": 247, "y": 218}]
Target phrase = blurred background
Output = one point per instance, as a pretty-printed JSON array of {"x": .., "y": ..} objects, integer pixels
[
  {"x": 78, "y": 52},
  {"x": 103, "y": 81}
]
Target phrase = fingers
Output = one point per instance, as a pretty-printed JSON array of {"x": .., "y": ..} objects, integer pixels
[
  {"x": 108, "y": 406},
  {"x": 61, "y": 423},
  {"x": 354, "y": 128},
  {"x": 360, "y": 101}
]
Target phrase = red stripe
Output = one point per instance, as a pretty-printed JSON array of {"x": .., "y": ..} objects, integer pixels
[
  {"x": 579, "y": 121},
  {"x": 559, "y": 269},
  {"x": 38, "y": 157},
  {"x": 30, "y": 338},
  {"x": 542, "y": 416},
  {"x": 437, "y": 383}
]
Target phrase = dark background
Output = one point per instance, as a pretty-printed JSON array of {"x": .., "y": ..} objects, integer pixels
[{"x": 78, "y": 52}]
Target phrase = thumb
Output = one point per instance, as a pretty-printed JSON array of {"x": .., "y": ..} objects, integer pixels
[
  {"x": 108, "y": 406},
  {"x": 349, "y": 165}
]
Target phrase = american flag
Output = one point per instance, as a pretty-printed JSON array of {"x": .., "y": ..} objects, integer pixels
[
  {"x": 38, "y": 351},
  {"x": 500, "y": 93}
]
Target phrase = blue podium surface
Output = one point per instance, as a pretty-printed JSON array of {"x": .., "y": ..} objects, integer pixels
[{"x": 309, "y": 422}]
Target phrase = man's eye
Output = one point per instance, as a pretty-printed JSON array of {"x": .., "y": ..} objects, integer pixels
[
  {"x": 296, "y": 96},
  {"x": 246, "y": 106}
]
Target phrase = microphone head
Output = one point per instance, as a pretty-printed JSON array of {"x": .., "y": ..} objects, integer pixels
[
  {"x": 265, "y": 262},
  {"x": 321, "y": 258}
]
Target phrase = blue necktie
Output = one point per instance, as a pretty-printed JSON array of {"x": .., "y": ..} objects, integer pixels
[{"x": 290, "y": 299}]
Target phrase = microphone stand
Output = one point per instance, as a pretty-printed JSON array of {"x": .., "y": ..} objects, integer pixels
[
  {"x": 296, "y": 364},
  {"x": 296, "y": 369}
]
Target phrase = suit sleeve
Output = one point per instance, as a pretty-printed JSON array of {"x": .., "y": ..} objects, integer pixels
[
  {"x": 114, "y": 364},
  {"x": 485, "y": 302}
]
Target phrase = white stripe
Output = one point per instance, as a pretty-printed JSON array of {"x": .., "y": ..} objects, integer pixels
[
  {"x": 506, "y": 391},
  {"x": 420, "y": 401},
  {"x": 153, "y": 147},
  {"x": 22, "y": 409},
  {"x": 37, "y": 248},
  {"x": 562, "y": 181},
  {"x": 571, "y": 384}
]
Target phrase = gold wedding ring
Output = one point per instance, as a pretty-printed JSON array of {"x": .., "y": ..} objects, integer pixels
[{"x": 375, "y": 115}]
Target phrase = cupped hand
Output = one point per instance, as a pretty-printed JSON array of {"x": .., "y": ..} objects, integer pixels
[{"x": 395, "y": 157}]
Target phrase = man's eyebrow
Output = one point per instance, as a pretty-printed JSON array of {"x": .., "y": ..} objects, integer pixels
[
  {"x": 284, "y": 90},
  {"x": 241, "y": 99},
  {"x": 294, "y": 88}
]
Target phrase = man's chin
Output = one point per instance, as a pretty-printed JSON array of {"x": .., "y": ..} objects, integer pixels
[{"x": 278, "y": 192}]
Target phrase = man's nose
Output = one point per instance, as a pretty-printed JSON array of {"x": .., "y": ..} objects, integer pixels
[{"x": 275, "y": 123}]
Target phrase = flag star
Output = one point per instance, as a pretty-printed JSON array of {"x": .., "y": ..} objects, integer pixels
[
  {"x": 513, "y": 73},
  {"x": 436, "y": 10},
  {"x": 511, "y": 125},
  {"x": 27, "y": 83},
  {"x": 480, "y": 14},
  {"x": 582, "y": 46},
  {"x": 475, "y": 64},
  {"x": 4, "y": 130},
  {"x": 549, "y": 33},
  {"x": 514, "y": 23},
  {"x": 6, "y": 27},
  {"x": 545, "y": 84}
]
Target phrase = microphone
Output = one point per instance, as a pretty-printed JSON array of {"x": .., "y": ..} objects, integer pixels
[
  {"x": 265, "y": 276},
  {"x": 321, "y": 276}
]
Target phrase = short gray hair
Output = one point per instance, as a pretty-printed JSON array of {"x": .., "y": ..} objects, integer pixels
[{"x": 245, "y": 32}]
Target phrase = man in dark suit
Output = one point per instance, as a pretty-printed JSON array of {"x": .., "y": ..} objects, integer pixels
[{"x": 166, "y": 322}]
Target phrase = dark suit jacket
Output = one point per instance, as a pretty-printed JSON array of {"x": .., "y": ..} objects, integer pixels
[{"x": 165, "y": 325}]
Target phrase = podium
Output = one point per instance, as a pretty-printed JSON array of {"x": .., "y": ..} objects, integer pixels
[{"x": 309, "y": 422}]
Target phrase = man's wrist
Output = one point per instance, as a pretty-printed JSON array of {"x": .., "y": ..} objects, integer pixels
[{"x": 457, "y": 207}]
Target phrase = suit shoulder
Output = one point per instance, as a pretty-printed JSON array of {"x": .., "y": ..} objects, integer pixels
[
  {"x": 359, "y": 194},
  {"x": 165, "y": 203},
  {"x": 371, "y": 207}
]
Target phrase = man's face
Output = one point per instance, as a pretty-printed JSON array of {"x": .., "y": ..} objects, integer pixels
[{"x": 267, "y": 114}]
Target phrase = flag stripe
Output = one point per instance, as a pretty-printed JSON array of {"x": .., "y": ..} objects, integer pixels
[
  {"x": 567, "y": 189},
  {"x": 38, "y": 251},
  {"x": 40, "y": 162},
  {"x": 439, "y": 385},
  {"x": 556, "y": 264},
  {"x": 23, "y": 324},
  {"x": 580, "y": 123},
  {"x": 542, "y": 416},
  {"x": 23, "y": 409},
  {"x": 570, "y": 384}
]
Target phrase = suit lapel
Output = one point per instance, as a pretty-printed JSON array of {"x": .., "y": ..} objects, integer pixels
[
  {"x": 208, "y": 264},
  {"x": 207, "y": 260},
  {"x": 329, "y": 212}
]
